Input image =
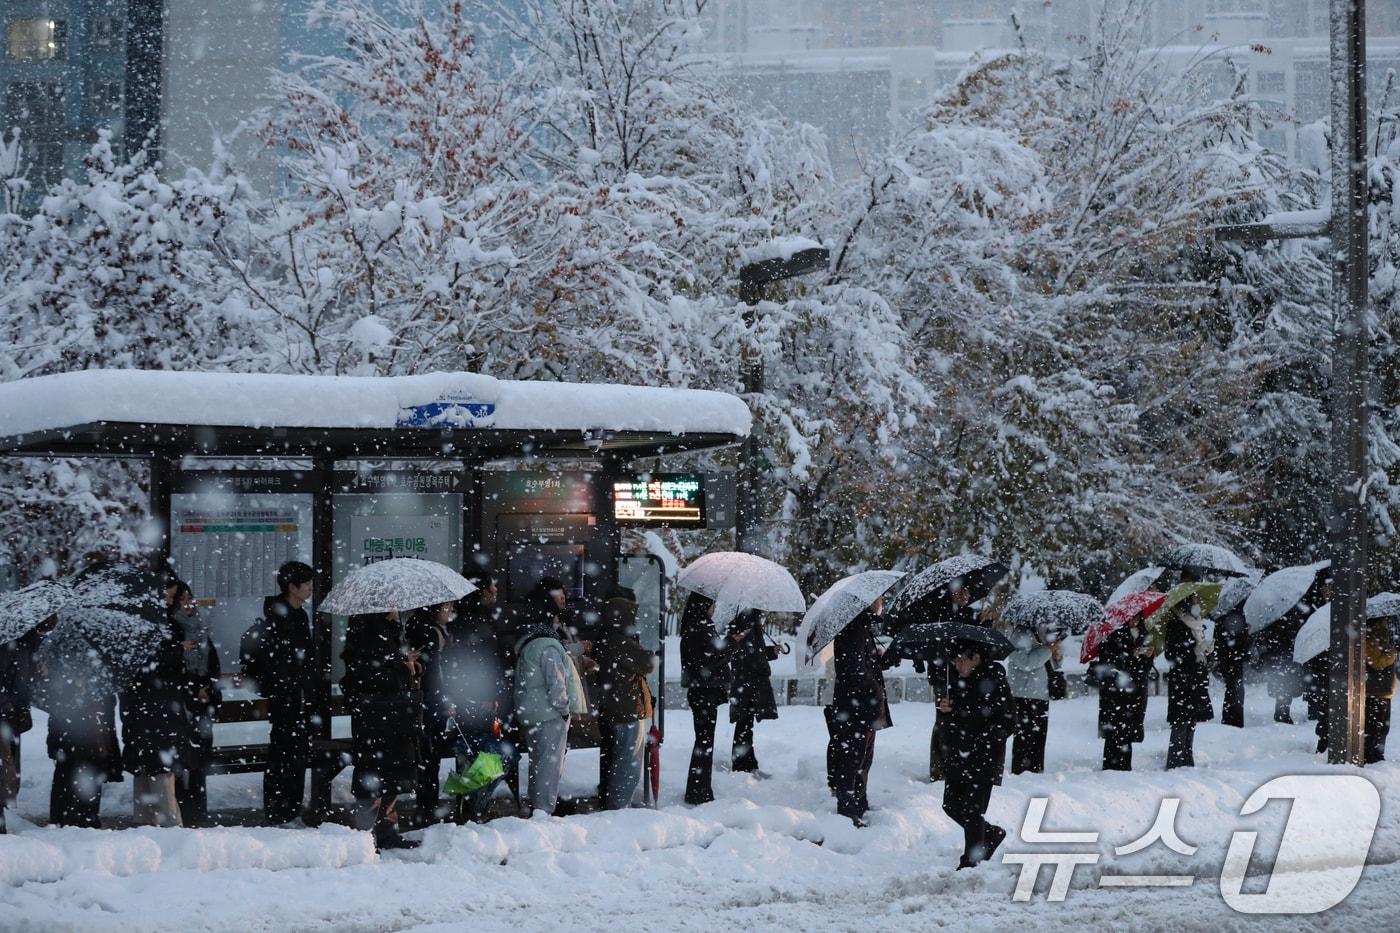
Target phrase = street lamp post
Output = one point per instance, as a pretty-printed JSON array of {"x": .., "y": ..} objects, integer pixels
[
  {"x": 1347, "y": 525},
  {"x": 754, "y": 279}
]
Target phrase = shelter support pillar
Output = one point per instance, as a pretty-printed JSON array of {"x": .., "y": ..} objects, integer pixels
[
  {"x": 162, "y": 478},
  {"x": 323, "y": 549}
]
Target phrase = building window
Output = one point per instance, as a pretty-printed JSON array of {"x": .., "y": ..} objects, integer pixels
[
  {"x": 105, "y": 98},
  {"x": 37, "y": 108},
  {"x": 107, "y": 32},
  {"x": 37, "y": 40},
  {"x": 1272, "y": 82}
]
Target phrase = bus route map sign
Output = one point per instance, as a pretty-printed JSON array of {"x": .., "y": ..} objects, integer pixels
[{"x": 655, "y": 499}]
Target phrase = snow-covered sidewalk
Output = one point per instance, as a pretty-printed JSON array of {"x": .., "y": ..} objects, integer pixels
[{"x": 767, "y": 854}]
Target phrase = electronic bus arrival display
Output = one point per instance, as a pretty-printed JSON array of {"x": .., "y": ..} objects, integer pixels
[{"x": 674, "y": 499}]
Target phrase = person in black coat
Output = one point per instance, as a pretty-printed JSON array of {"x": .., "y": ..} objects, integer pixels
[
  {"x": 82, "y": 740},
  {"x": 1122, "y": 672},
  {"x": 383, "y": 682},
  {"x": 17, "y": 674},
  {"x": 980, "y": 715},
  {"x": 858, "y": 709},
  {"x": 955, "y": 605},
  {"x": 1188, "y": 681},
  {"x": 156, "y": 730},
  {"x": 202, "y": 697},
  {"x": 706, "y": 675},
  {"x": 277, "y": 653},
  {"x": 1231, "y": 653},
  {"x": 751, "y": 697}
]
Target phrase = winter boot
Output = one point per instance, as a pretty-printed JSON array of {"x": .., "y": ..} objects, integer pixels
[{"x": 387, "y": 836}]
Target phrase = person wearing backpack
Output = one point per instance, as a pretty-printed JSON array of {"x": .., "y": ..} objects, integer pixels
[
  {"x": 277, "y": 653},
  {"x": 981, "y": 716}
]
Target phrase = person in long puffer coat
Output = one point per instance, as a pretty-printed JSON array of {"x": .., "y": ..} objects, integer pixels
[
  {"x": 981, "y": 716},
  {"x": 751, "y": 697},
  {"x": 859, "y": 708},
  {"x": 706, "y": 676},
  {"x": 156, "y": 730},
  {"x": 1188, "y": 681},
  {"x": 1030, "y": 686},
  {"x": 1231, "y": 652},
  {"x": 1122, "y": 672},
  {"x": 624, "y": 701},
  {"x": 1381, "y": 655},
  {"x": 383, "y": 684},
  {"x": 18, "y": 671},
  {"x": 202, "y": 697}
]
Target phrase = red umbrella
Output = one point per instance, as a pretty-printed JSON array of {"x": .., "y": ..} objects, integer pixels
[
  {"x": 1123, "y": 612},
  {"x": 654, "y": 754}
]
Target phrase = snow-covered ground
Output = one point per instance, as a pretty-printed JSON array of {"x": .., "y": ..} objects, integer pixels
[{"x": 768, "y": 854}]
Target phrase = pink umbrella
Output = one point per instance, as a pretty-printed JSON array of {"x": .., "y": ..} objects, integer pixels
[{"x": 1118, "y": 614}]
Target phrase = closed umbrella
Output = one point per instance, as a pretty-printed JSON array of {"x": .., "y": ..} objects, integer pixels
[
  {"x": 1119, "y": 613},
  {"x": 1140, "y": 582},
  {"x": 834, "y": 610},
  {"x": 737, "y": 581},
  {"x": 1209, "y": 559},
  {"x": 1279, "y": 592},
  {"x": 398, "y": 584},
  {"x": 918, "y": 600},
  {"x": 929, "y": 641},
  {"x": 25, "y": 609},
  {"x": 1052, "y": 614}
]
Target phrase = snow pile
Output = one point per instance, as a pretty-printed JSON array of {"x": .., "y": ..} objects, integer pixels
[{"x": 767, "y": 855}]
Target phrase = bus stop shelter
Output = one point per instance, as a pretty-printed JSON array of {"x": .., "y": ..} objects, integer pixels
[{"x": 249, "y": 470}]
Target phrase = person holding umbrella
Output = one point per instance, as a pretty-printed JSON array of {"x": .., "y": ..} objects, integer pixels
[
  {"x": 1119, "y": 659},
  {"x": 1275, "y": 611},
  {"x": 1188, "y": 674},
  {"x": 383, "y": 682},
  {"x": 1232, "y": 645},
  {"x": 707, "y": 677},
  {"x": 859, "y": 709},
  {"x": 156, "y": 728},
  {"x": 944, "y": 593},
  {"x": 751, "y": 697},
  {"x": 27, "y": 616},
  {"x": 980, "y": 716}
]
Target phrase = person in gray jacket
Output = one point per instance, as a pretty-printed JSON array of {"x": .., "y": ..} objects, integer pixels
[
  {"x": 1030, "y": 688},
  {"x": 547, "y": 692}
]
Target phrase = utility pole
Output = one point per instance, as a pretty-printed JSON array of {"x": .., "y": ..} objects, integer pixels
[
  {"x": 1348, "y": 525},
  {"x": 754, "y": 279}
]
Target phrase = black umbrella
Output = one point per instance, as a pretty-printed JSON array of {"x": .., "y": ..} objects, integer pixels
[
  {"x": 106, "y": 644},
  {"x": 923, "y": 598},
  {"x": 932, "y": 641}
]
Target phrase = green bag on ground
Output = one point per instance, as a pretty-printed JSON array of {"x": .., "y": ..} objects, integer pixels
[{"x": 484, "y": 769}]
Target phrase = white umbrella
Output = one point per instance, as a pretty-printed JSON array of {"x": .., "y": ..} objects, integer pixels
[
  {"x": 1139, "y": 582},
  {"x": 22, "y": 610},
  {"x": 1316, "y": 634},
  {"x": 1207, "y": 557},
  {"x": 400, "y": 583},
  {"x": 737, "y": 581},
  {"x": 834, "y": 610},
  {"x": 1235, "y": 591},
  {"x": 1278, "y": 593}
]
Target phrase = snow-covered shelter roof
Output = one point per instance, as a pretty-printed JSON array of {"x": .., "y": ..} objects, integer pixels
[{"x": 139, "y": 412}]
